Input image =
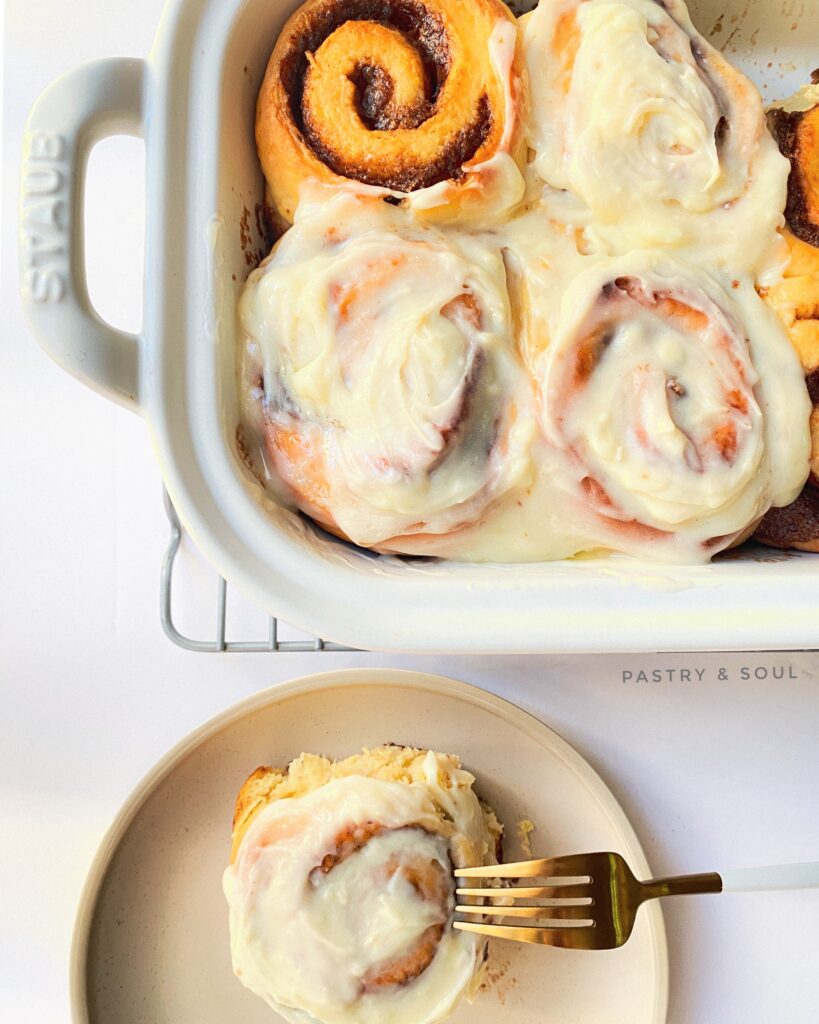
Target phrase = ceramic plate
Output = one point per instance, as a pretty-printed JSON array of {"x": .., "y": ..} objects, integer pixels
[{"x": 151, "y": 939}]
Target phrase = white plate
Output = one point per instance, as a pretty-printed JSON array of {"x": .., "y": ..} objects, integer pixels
[{"x": 151, "y": 939}]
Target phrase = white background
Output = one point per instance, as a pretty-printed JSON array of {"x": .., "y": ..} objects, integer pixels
[{"x": 714, "y": 774}]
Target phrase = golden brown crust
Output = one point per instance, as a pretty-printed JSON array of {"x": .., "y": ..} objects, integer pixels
[
  {"x": 401, "y": 95},
  {"x": 797, "y": 134},
  {"x": 390, "y": 762},
  {"x": 255, "y": 793},
  {"x": 796, "y": 301}
]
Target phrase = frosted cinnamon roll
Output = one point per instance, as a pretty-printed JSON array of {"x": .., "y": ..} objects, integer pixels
[
  {"x": 678, "y": 408},
  {"x": 659, "y": 137},
  {"x": 419, "y": 99},
  {"x": 391, "y": 399},
  {"x": 341, "y": 887}
]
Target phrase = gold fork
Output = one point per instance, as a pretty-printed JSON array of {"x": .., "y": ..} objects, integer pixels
[{"x": 590, "y": 900}]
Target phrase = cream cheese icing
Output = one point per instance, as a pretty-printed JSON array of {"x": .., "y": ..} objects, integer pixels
[
  {"x": 680, "y": 407},
  {"x": 310, "y": 942},
  {"x": 651, "y": 162},
  {"x": 393, "y": 395},
  {"x": 657, "y": 137}
]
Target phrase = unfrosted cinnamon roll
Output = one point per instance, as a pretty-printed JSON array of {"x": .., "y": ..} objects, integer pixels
[
  {"x": 341, "y": 887},
  {"x": 795, "y": 126},
  {"x": 796, "y": 301},
  {"x": 678, "y": 408},
  {"x": 662, "y": 141},
  {"x": 391, "y": 396},
  {"x": 795, "y": 525},
  {"x": 420, "y": 99}
]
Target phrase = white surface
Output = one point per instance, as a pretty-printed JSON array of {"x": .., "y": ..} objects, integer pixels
[
  {"x": 713, "y": 773},
  {"x": 160, "y": 879}
]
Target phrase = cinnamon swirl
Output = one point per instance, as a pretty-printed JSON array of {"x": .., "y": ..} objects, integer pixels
[
  {"x": 391, "y": 401},
  {"x": 677, "y": 408},
  {"x": 341, "y": 889},
  {"x": 417, "y": 99},
  {"x": 660, "y": 140}
]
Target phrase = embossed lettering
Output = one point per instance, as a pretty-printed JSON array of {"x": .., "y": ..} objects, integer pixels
[
  {"x": 45, "y": 216},
  {"x": 46, "y": 146},
  {"x": 42, "y": 180},
  {"x": 46, "y": 285},
  {"x": 40, "y": 245}
]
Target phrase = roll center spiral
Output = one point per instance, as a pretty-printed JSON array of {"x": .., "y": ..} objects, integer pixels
[
  {"x": 395, "y": 95},
  {"x": 401, "y": 864}
]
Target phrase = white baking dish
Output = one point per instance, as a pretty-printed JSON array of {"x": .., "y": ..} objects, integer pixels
[{"x": 193, "y": 101}]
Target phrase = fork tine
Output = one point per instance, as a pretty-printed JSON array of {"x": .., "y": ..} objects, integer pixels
[
  {"x": 573, "y": 891},
  {"x": 553, "y": 867},
  {"x": 566, "y": 935},
  {"x": 563, "y": 913}
]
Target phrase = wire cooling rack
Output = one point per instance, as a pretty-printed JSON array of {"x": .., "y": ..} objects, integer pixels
[
  {"x": 273, "y": 643},
  {"x": 270, "y": 644}
]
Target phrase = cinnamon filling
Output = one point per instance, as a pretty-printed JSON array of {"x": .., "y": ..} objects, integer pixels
[
  {"x": 797, "y": 523},
  {"x": 413, "y": 20},
  {"x": 722, "y": 129},
  {"x": 348, "y": 842},
  {"x": 408, "y": 176},
  {"x": 452, "y": 434},
  {"x": 374, "y": 94},
  {"x": 590, "y": 352},
  {"x": 812, "y": 381},
  {"x": 609, "y": 511},
  {"x": 433, "y": 885},
  {"x": 662, "y": 303},
  {"x": 429, "y": 880}
]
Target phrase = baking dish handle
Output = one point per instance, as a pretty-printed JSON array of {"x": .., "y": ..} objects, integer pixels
[{"x": 76, "y": 111}]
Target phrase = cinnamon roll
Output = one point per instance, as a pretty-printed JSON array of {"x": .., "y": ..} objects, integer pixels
[
  {"x": 341, "y": 887},
  {"x": 660, "y": 140},
  {"x": 795, "y": 125},
  {"x": 418, "y": 99},
  {"x": 676, "y": 408},
  {"x": 390, "y": 400}
]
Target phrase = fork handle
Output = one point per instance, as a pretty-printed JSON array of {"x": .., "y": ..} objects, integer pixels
[
  {"x": 681, "y": 885},
  {"x": 777, "y": 876}
]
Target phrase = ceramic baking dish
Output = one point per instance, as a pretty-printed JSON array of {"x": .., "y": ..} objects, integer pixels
[{"x": 193, "y": 101}]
